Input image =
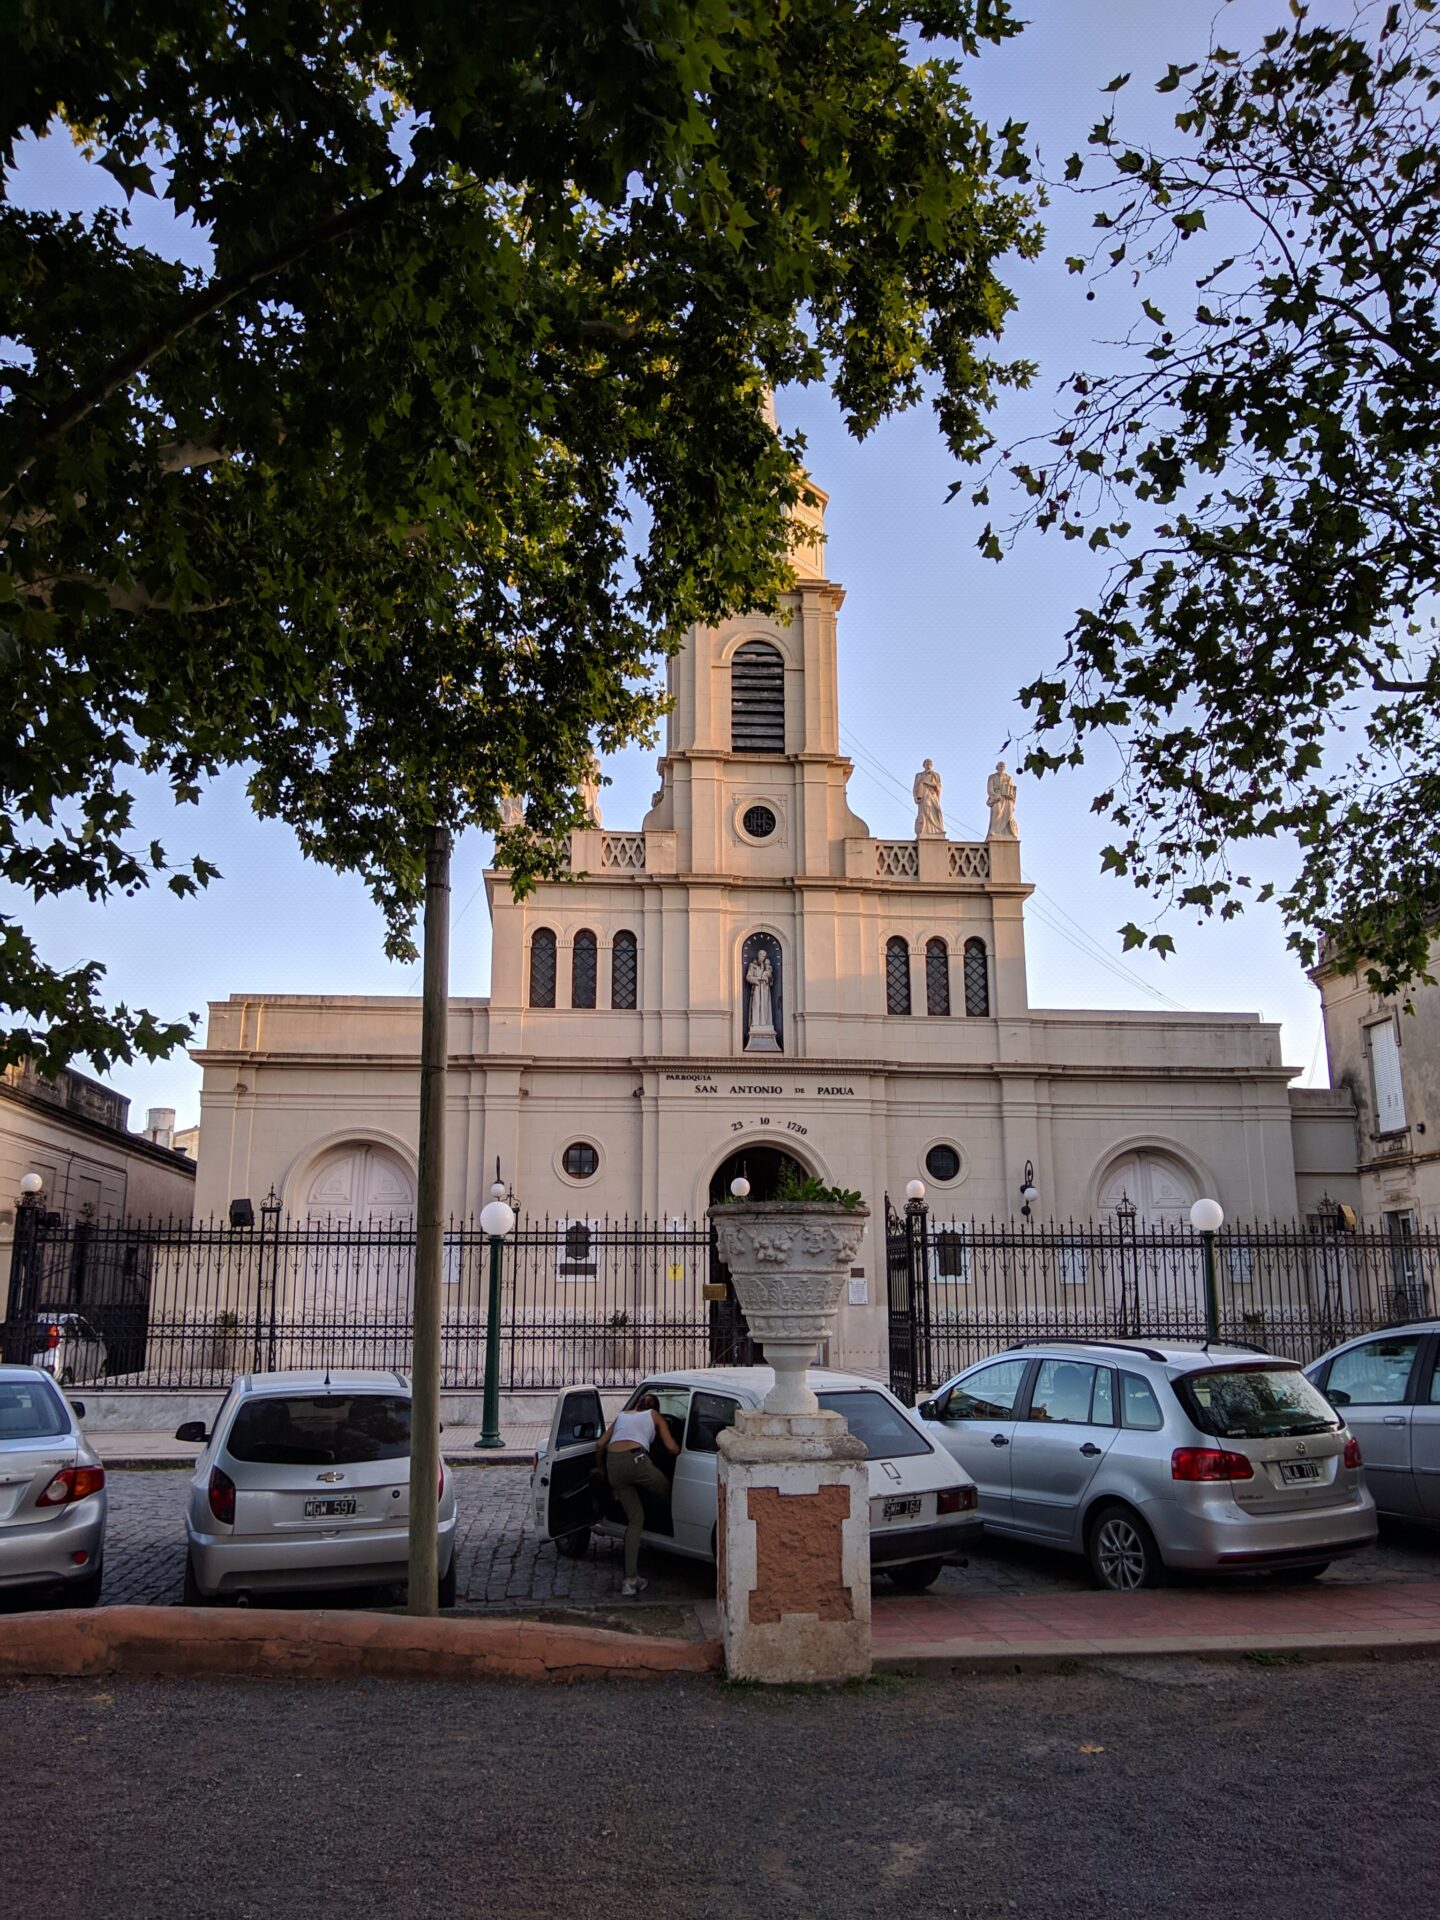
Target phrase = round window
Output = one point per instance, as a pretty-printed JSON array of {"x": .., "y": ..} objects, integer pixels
[
  {"x": 759, "y": 822},
  {"x": 942, "y": 1163},
  {"x": 580, "y": 1160}
]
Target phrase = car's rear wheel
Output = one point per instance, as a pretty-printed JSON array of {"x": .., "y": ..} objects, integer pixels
[
  {"x": 1122, "y": 1551},
  {"x": 447, "y": 1585},
  {"x": 190, "y": 1594},
  {"x": 86, "y": 1592},
  {"x": 916, "y": 1575},
  {"x": 574, "y": 1546}
]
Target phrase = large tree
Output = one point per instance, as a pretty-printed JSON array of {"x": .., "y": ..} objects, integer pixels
[
  {"x": 1266, "y": 459},
  {"x": 485, "y": 281}
]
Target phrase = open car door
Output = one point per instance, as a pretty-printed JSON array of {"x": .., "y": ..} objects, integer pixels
[{"x": 563, "y": 1493}]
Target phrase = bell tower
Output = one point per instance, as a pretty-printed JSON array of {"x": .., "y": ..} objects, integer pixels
[{"x": 753, "y": 781}]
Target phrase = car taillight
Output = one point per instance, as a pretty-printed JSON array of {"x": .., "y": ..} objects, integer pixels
[
  {"x": 222, "y": 1497},
  {"x": 1209, "y": 1463},
  {"x": 72, "y": 1483},
  {"x": 1352, "y": 1453},
  {"x": 52, "y": 1334},
  {"x": 955, "y": 1500}
]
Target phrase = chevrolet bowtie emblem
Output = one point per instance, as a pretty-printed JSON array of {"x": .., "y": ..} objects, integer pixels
[{"x": 330, "y": 1476}]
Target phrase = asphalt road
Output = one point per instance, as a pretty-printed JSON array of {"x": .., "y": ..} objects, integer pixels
[{"x": 1232, "y": 1791}]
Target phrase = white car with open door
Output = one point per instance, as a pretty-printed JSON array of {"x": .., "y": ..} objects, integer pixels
[{"x": 922, "y": 1504}]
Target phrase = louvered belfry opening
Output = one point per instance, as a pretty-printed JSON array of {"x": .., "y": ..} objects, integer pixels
[
  {"x": 757, "y": 699},
  {"x": 624, "y": 971},
  {"x": 582, "y": 969},
  {"x": 937, "y": 977},
  {"x": 977, "y": 979},
  {"x": 542, "y": 968},
  {"x": 897, "y": 976}
]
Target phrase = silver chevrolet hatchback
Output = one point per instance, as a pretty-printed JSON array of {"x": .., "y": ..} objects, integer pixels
[
  {"x": 304, "y": 1482},
  {"x": 1146, "y": 1457}
]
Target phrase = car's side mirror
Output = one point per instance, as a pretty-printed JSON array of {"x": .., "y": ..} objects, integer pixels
[
  {"x": 1338, "y": 1397},
  {"x": 192, "y": 1430},
  {"x": 77, "y": 1407},
  {"x": 929, "y": 1409}
]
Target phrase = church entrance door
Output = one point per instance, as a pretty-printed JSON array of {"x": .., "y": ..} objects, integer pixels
[{"x": 730, "y": 1342}]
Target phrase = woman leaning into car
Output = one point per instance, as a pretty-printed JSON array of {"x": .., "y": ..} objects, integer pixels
[{"x": 625, "y": 1448}]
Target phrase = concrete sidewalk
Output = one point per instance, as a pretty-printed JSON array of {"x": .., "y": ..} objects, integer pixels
[
  {"x": 925, "y": 1632},
  {"x": 120, "y": 1448}
]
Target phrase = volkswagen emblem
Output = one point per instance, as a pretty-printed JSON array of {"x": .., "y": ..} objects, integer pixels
[
  {"x": 330, "y": 1476},
  {"x": 1299, "y": 1448}
]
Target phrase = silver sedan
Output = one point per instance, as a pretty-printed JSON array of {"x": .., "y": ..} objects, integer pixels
[
  {"x": 52, "y": 1492},
  {"x": 305, "y": 1483}
]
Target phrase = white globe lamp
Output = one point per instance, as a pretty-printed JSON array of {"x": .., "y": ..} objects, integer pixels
[
  {"x": 496, "y": 1219},
  {"x": 740, "y": 1187},
  {"x": 1207, "y": 1216},
  {"x": 31, "y": 1184},
  {"x": 914, "y": 1189}
]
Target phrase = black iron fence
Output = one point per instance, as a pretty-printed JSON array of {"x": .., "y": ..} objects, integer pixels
[
  {"x": 957, "y": 1290},
  {"x": 178, "y": 1304},
  {"x": 175, "y": 1304}
]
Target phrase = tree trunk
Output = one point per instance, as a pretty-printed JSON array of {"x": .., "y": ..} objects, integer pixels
[{"x": 430, "y": 1231}]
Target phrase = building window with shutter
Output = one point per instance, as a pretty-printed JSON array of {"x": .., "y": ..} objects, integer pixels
[
  {"x": 977, "y": 979},
  {"x": 542, "y": 968},
  {"x": 624, "y": 971},
  {"x": 937, "y": 977},
  {"x": 897, "y": 975},
  {"x": 1385, "y": 1078},
  {"x": 582, "y": 969},
  {"x": 757, "y": 699}
]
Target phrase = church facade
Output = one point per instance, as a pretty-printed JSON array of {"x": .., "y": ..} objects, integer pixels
[{"x": 749, "y": 978}]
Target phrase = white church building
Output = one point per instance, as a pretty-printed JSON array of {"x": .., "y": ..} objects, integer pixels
[{"x": 748, "y": 974}]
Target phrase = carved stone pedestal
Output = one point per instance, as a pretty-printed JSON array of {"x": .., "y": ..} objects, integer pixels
[{"x": 793, "y": 1546}]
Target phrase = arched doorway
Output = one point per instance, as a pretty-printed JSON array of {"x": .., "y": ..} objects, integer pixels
[
  {"x": 1161, "y": 1189},
  {"x": 1148, "y": 1194},
  {"x": 763, "y": 1167},
  {"x": 364, "y": 1281}
]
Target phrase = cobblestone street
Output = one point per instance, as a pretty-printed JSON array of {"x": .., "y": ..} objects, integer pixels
[{"x": 503, "y": 1562}]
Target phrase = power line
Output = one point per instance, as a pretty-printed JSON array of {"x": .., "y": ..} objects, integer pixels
[{"x": 1081, "y": 939}]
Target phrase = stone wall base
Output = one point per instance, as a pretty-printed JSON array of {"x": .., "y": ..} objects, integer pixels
[{"x": 794, "y": 1549}]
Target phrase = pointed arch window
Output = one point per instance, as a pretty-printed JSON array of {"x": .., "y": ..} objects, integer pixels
[
  {"x": 542, "y": 967},
  {"x": 977, "y": 978},
  {"x": 897, "y": 975},
  {"x": 757, "y": 699},
  {"x": 624, "y": 971},
  {"x": 583, "y": 956},
  {"x": 937, "y": 977}
]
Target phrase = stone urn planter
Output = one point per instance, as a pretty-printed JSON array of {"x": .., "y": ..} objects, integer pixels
[{"x": 789, "y": 1261}]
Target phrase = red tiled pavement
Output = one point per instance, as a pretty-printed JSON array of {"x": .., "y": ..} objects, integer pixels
[{"x": 1198, "y": 1619}]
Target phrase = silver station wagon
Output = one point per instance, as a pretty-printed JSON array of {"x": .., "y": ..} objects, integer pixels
[
  {"x": 922, "y": 1504},
  {"x": 304, "y": 1482},
  {"x": 52, "y": 1492},
  {"x": 1146, "y": 1457}
]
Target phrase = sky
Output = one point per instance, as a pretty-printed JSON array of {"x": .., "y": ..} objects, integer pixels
[{"x": 934, "y": 642}]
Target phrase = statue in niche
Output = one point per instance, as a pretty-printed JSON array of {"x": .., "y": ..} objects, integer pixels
[
  {"x": 761, "y": 963},
  {"x": 590, "y": 790},
  {"x": 929, "y": 820},
  {"x": 1000, "y": 792},
  {"x": 512, "y": 812}
]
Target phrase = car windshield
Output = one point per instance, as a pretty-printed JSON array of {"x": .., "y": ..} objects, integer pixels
[
  {"x": 330, "y": 1429},
  {"x": 1255, "y": 1403},
  {"x": 29, "y": 1410},
  {"x": 887, "y": 1434}
]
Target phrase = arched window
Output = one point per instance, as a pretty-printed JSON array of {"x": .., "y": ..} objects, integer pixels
[
  {"x": 624, "y": 971},
  {"x": 757, "y": 699},
  {"x": 937, "y": 977},
  {"x": 542, "y": 968},
  {"x": 977, "y": 978},
  {"x": 897, "y": 975},
  {"x": 582, "y": 969}
]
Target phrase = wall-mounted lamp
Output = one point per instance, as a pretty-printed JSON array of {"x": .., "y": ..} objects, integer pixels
[{"x": 1028, "y": 1191}]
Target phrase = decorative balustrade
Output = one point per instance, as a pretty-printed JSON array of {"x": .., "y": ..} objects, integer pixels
[
  {"x": 897, "y": 860},
  {"x": 622, "y": 852},
  {"x": 970, "y": 860},
  {"x": 900, "y": 859}
]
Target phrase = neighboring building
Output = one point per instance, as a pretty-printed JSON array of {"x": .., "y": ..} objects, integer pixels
[
  {"x": 1385, "y": 1056},
  {"x": 74, "y": 1132},
  {"x": 749, "y": 976}
]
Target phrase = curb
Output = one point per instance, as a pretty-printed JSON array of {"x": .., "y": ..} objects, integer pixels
[
  {"x": 931, "y": 1658},
  {"x": 328, "y": 1645}
]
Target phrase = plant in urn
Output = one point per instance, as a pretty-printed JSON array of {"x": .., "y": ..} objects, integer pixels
[{"x": 789, "y": 1259}]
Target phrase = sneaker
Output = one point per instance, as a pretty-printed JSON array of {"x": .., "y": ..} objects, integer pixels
[{"x": 632, "y": 1587}]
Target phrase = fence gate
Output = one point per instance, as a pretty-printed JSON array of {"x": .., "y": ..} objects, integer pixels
[{"x": 907, "y": 1290}]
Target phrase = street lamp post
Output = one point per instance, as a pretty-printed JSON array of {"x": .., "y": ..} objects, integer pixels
[
  {"x": 1207, "y": 1217},
  {"x": 496, "y": 1219},
  {"x": 24, "y": 1269}
]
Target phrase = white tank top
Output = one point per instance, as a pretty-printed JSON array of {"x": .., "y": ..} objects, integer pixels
[{"x": 639, "y": 1427}]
